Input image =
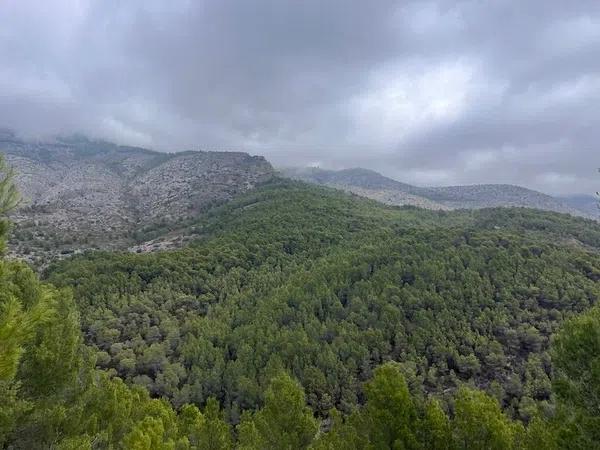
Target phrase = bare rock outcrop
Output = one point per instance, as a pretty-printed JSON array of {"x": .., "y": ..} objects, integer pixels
[{"x": 81, "y": 194}]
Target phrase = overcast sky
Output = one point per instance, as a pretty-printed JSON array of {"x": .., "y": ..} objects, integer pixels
[{"x": 438, "y": 92}]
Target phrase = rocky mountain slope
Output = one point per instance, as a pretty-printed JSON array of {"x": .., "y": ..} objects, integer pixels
[
  {"x": 79, "y": 193},
  {"x": 371, "y": 184}
]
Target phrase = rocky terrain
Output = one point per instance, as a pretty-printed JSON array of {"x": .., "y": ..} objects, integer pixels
[
  {"x": 373, "y": 185},
  {"x": 81, "y": 194}
]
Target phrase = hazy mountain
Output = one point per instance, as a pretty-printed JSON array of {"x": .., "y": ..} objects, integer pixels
[
  {"x": 366, "y": 183},
  {"x": 586, "y": 203},
  {"x": 81, "y": 193},
  {"x": 373, "y": 185}
]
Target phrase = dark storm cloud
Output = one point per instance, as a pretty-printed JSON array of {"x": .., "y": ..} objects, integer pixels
[{"x": 428, "y": 92}]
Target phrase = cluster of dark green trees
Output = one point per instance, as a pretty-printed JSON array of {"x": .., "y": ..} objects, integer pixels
[
  {"x": 306, "y": 318},
  {"x": 329, "y": 287}
]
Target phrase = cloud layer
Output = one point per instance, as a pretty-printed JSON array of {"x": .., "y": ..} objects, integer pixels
[{"x": 439, "y": 92}]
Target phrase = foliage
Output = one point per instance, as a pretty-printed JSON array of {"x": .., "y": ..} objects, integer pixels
[
  {"x": 284, "y": 422},
  {"x": 306, "y": 318},
  {"x": 576, "y": 356},
  {"x": 327, "y": 287},
  {"x": 9, "y": 195}
]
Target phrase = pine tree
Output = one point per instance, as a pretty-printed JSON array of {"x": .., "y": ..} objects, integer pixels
[
  {"x": 284, "y": 422},
  {"x": 390, "y": 415},
  {"x": 576, "y": 357}
]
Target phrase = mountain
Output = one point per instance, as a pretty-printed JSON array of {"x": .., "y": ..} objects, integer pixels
[
  {"x": 307, "y": 317},
  {"x": 587, "y": 203},
  {"x": 80, "y": 193},
  {"x": 371, "y": 184},
  {"x": 366, "y": 183}
]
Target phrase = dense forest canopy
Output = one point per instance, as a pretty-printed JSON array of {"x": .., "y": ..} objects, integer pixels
[
  {"x": 328, "y": 287},
  {"x": 307, "y": 318}
]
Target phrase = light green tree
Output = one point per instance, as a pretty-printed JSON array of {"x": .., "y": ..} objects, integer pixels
[
  {"x": 284, "y": 422},
  {"x": 479, "y": 423},
  {"x": 576, "y": 358},
  {"x": 390, "y": 415}
]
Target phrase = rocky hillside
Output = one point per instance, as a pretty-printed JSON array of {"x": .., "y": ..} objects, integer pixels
[
  {"x": 80, "y": 193},
  {"x": 373, "y": 185}
]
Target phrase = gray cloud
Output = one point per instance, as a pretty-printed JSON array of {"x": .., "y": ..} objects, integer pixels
[{"x": 428, "y": 92}]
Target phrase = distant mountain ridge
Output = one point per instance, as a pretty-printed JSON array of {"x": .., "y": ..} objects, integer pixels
[
  {"x": 371, "y": 184},
  {"x": 81, "y": 193},
  {"x": 589, "y": 204}
]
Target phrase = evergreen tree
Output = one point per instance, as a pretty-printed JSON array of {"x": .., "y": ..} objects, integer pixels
[
  {"x": 284, "y": 422},
  {"x": 576, "y": 358},
  {"x": 436, "y": 431},
  {"x": 390, "y": 416},
  {"x": 479, "y": 423}
]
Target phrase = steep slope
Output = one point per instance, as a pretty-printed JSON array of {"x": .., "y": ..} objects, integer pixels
[
  {"x": 373, "y": 185},
  {"x": 80, "y": 193}
]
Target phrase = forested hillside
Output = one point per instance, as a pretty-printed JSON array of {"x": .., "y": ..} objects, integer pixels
[{"x": 303, "y": 317}]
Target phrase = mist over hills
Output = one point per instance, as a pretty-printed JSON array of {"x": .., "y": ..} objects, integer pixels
[
  {"x": 371, "y": 184},
  {"x": 281, "y": 291},
  {"x": 174, "y": 298}
]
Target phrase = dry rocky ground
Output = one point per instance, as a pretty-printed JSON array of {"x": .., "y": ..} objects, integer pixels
[{"x": 80, "y": 194}]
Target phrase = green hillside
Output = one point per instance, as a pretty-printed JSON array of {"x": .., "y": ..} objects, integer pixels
[
  {"x": 329, "y": 286},
  {"x": 304, "y": 317}
]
